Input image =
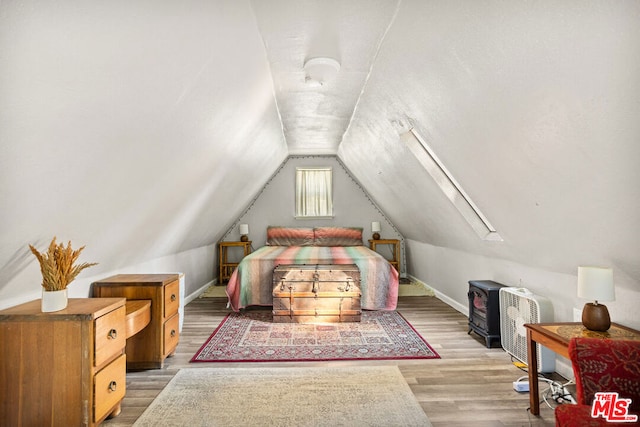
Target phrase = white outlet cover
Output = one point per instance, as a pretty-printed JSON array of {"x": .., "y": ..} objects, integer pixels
[{"x": 577, "y": 314}]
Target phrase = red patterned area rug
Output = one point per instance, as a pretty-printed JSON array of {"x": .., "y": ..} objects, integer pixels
[{"x": 251, "y": 336}]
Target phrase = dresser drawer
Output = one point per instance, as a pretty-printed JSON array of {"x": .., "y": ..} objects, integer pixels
[
  {"x": 110, "y": 336},
  {"x": 171, "y": 298},
  {"x": 110, "y": 386},
  {"x": 171, "y": 334}
]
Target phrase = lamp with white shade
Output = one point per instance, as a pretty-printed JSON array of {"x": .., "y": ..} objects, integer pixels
[
  {"x": 244, "y": 232},
  {"x": 596, "y": 283},
  {"x": 375, "y": 229}
]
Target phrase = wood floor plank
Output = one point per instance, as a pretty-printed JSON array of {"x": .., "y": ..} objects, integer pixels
[{"x": 469, "y": 385}]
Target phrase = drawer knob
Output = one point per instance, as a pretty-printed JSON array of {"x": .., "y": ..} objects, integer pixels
[
  {"x": 173, "y": 333},
  {"x": 113, "y": 386},
  {"x": 113, "y": 334},
  {"x": 173, "y": 297}
]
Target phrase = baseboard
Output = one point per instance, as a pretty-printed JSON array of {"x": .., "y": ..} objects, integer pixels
[
  {"x": 453, "y": 303},
  {"x": 563, "y": 367},
  {"x": 420, "y": 282},
  {"x": 199, "y": 291},
  {"x": 442, "y": 297}
]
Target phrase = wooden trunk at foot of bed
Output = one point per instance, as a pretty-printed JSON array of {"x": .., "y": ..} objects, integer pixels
[{"x": 316, "y": 293}]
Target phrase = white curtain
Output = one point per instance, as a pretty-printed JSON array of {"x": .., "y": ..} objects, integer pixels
[{"x": 313, "y": 192}]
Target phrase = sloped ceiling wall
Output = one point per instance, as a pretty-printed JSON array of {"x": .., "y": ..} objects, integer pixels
[
  {"x": 533, "y": 107},
  {"x": 131, "y": 128}
]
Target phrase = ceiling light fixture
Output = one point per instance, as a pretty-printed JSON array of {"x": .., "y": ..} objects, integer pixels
[{"x": 320, "y": 70}]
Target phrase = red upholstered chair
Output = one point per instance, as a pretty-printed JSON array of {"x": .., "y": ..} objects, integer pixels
[{"x": 601, "y": 365}]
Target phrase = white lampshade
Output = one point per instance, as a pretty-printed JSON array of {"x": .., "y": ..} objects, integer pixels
[
  {"x": 244, "y": 229},
  {"x": 596, "y": 284},
  {"x": 375, "y": 227}
]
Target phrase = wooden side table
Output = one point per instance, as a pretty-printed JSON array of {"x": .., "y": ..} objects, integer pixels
[
  {"x": 226, "y": 266},
  {"x": 148, "y": 348},
  {"x": 395, "y": 250},
  {"x": 556, "y": 337}
]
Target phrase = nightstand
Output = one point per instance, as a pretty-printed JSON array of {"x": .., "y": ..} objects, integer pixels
[
  {"x": 395, "y": 250},
  {"x": 227, "y": 266},
  {"x": 62, "y": 368}
]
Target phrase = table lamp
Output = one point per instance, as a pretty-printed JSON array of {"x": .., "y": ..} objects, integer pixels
[
  {"x": 244, "y": 232},
  {"x": 375, "y": 229},
  {"x": 596, "y": 283}
]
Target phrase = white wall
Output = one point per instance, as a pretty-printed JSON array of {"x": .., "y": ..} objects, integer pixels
[
  {"x": 196, "y": 264},
  {"x": 275, "y": 205},
  {"x": 129, "y": 127},
  {"x": 448, "y": 271}
]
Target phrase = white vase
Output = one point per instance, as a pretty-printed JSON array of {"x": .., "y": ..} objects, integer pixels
[{"x": 54, "y": 300}]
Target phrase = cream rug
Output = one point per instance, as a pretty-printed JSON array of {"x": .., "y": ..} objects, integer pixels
[{"x": 305, "y": 396}]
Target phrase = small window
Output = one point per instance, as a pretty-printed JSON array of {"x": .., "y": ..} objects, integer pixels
[{"x": 314, "y": 197}]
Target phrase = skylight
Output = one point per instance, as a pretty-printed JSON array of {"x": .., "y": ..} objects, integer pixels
[{"x": 449, "y": 186}]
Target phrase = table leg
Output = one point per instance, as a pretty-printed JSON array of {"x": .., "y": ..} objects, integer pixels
[{"x": 532, "y": 357}]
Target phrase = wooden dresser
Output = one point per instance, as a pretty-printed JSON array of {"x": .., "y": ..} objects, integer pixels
[
  {"x": 150, "y": 347},
  {"x": 63, "y": 368}
]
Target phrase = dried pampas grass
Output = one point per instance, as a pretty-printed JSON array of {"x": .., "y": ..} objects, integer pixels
[{"x": 57, "y": 265}]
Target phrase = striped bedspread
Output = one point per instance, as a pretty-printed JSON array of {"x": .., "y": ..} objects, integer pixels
[{"x": 251, "y": 282}]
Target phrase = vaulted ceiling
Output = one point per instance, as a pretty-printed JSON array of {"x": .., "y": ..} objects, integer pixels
[
  {"x": 143, "y": 129},
  {"x": 314, "y": 117}
]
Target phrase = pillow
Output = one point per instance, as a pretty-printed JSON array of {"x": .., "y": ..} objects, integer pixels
[
  {"x": 289, "y": 236},
  {"x": 337, "y": 236}
]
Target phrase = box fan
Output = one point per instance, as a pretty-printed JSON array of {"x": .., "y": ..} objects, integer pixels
[{"x": 519, "y": 306}]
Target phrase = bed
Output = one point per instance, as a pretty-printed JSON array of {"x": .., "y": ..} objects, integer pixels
[{"x": 251, "y": 282}]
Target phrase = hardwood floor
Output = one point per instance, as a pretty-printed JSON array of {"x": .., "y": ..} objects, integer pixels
[{"x": 469, "y": 386}]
